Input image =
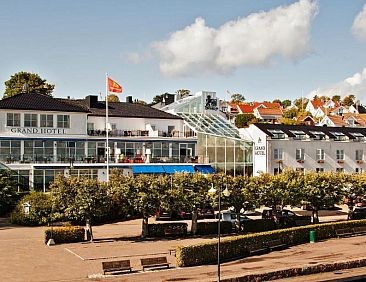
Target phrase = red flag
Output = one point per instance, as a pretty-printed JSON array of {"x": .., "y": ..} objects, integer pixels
[{"x": 114, "y": 86}]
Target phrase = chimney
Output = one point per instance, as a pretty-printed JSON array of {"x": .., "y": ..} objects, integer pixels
[
  {"x": 129, "y": 99},
  {"x": 92, "y": 101}
]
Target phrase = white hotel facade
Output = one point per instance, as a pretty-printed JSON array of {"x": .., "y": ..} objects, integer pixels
[
  {"x": 306, "y": 148},
  {"x": 41, "y": 136}
]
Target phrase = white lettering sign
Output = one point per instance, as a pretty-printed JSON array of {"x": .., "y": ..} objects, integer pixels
[{"x": 33, "y": 130}]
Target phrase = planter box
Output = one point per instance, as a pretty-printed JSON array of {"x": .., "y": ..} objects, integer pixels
[
  {"x": 300, "y": 161},
  {"x": 340, "y": 161},
  {"x": 360, "y": 161},
  {"x": 320, "y": 161}
]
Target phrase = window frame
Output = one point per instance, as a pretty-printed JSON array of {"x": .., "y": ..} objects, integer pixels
[
  {"x": 13, "y": 115},
  {"x": 31, "y": 122},
  {"x": 47, "y": 120},
  {"x": 300, "y": 154},
  {"x": 63, "y": 123}
]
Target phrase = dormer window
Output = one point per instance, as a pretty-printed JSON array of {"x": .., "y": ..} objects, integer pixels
[
  {"x": 318, "y": 135},
  {"x": 277, "y": 134},
  {"x": 298, "y": 135},
  {"x": 358, "y": 137},
  {"x": 339, "y": 136}
]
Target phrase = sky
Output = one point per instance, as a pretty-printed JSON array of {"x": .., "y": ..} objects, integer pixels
[{"x": 263, "y": 49}]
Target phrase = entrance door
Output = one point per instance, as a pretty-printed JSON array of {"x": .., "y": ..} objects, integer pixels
[{"x": 101, "y": 155}]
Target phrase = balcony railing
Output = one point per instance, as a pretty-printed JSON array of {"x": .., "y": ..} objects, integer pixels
[
  {"x": 31, "y": 159},
  {"x": 142, "y": 133}
]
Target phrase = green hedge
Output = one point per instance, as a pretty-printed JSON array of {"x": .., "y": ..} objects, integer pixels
[
  {"x": 175, "y": 228},
  {"x": 238, "y": 246},
  {"x": 67, "y": 234},
  {"x": 259, "y": 225},
  {"x": 208, "y": 228}
]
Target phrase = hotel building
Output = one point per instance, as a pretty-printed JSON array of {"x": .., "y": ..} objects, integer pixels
[
  {"x": 302, "y": 147},
  {"x": 41, "y": 136}
]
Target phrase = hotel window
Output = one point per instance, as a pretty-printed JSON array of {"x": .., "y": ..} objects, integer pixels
[
  {"x": 320, "y": 154},
  {"x": 278, "y": 154},
  {"x": 30, "y": 120},
  {"x": 9, "y": 151},
  {"x": 113, "y": 126},
  {"x": 12, "y": 119},
  {"x": 339, "y": 136},
  {"x": 319, "y": 169},
  {"x": 277, "y": 170},
  {"x": 359, "y": 155},
  {"x": 340, "y": 154},
  {"x": 277, "y": 134},
  {"x": 46, "y": 120},
  {"x": 358, "y": 170},
  {"x": 298, "y": 135},
  {"x": 300, "y": 154},
  {"x": 318, "y": 135},
  {"x": 339, "y": 169},
  {"x": 63, "y": 121},
  {"x": 358, "y": 137}
]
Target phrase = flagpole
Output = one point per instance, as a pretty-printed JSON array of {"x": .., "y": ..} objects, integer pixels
[{"x": 106, "y": 124}]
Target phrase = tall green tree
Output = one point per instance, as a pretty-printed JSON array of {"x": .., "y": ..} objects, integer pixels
[
  {"x": 243, "y": 120},
  {"x": 237, "y": 98},
  {"x": 80, "y": 199},
  {"x": 33, "y": 82},
  {"x": 349, "y": 100},
  {"x": 286, "y": 103},
  {"x": 113, "y": 98}
]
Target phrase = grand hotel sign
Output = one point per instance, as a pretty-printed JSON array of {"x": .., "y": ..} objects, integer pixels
[{"x": 34, "y": 130}]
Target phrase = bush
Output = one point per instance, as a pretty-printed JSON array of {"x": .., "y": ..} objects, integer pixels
[
  {"x": 39, "y": 213},
  {"x": 158, "y": 230},
  {"x": 259, "y": 225},
  {"x": 67, "y": 234},
  {"x": 207, "y": 228},
  {"x": 238, "y": 246}
]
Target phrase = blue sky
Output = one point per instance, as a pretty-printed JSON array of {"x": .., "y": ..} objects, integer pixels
[{"x": 74, "y": 43}]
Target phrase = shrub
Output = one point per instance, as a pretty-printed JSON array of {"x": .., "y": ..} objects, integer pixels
[
  {"x": 39, "y": 213},
  {"x": 259, "y": 225},
  {"x": 238, "y": 246},
  {"x": 206, "y": 228},
  {"x": 66, "y": 234},
  {"x": 158, "y": 230}
]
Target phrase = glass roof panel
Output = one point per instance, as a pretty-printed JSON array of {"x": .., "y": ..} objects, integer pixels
[
  {"x": 210, "y": 124},
  {"x": 297, "y": 132}
]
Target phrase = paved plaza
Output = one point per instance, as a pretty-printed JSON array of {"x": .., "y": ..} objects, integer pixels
[{"x": 25, "y": 257}]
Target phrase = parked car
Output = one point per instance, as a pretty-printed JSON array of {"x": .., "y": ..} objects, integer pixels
[
  {"x": 286, "y": 218},
  {"x": 358, "y": 213},
  {"x": 231, "y": 216},
  {"x": 178, "y": 214},
  {"x": 206, "y": 212}
]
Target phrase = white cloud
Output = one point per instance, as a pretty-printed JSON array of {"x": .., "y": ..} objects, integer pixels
[
  {"x": 355, "y": 84},
  {"x": 252, "y": 40},
  {"x": 359, "y": 24}
]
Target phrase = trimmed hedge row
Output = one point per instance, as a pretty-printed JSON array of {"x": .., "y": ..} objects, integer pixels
[
  {"x": 207, "y": 228},
  {"x": 238, "y": 246},
  {"x": 67, "y": 234},
  {"x": 173, "y": 228}
]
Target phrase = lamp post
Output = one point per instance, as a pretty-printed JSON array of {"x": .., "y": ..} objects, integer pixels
[{"x": 226, "y": 193}]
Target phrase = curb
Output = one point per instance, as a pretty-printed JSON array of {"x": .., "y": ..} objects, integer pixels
[{"x": 298, "y": 271}]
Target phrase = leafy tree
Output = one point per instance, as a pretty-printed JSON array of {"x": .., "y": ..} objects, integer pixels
[
  {"x": 159, "y": 98},
  {"x": 349, "y": 100},
  {"x": 301, "y": 102},
  {"x": 8, "y": 191},
  {"x": 276, "y": 101},
  {"x": 141, "y": 102},
  {"x": 237, "y": 98},
  {"x": 291, "y": 113},
  {"x": 336, "y": 98},
  {"x": 288, "y": 121},
  {"x": 183, "y": 92},
  {"x": 80, "y": 199},
  {"x": 286, "y": 103},
  {"x": 242, "y": 120},
  {"x": 35, "y": 84},
  {"x": 323, "y": 98},
  {"x": 113, "y": 98}
]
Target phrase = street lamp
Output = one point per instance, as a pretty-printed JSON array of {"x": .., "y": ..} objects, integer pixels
[{"x": 226, "y": 193}]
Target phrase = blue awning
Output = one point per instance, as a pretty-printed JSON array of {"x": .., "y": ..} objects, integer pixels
[
  {"x": 148, "y": 169},
  {"x": 205, "y": 169},
  {"x": 171, "y": 169}
]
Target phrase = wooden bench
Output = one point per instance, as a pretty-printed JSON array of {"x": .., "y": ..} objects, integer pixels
[
  {"x": 114, "y": 266},
  {"x": 274, "y": 245},
  {"x": 359, "y": 230},
  {"x": 344, "y": 232},
  {"x": 154, "y": 262},
  {"x": 258, "y": 249}
]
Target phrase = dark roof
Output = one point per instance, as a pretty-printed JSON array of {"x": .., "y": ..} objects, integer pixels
[
  {"x": 122, "y": 109},
  {"x": 39, "y": 102},
  {"x": 309, "y": 130}
]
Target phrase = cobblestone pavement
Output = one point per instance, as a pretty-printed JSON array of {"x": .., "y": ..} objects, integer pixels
[{"x": 25, "y": 257}]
